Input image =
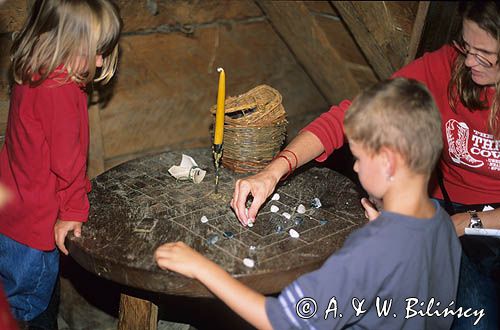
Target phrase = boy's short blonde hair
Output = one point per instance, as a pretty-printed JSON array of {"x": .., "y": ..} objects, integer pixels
[{"x": 399, "y": 114}]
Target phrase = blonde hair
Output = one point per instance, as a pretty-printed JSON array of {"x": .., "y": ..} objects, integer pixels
[
  {"x": 462, "y": 89},
  {"x": 399, "y": 114},
  {"x": 69, "y": 33}
]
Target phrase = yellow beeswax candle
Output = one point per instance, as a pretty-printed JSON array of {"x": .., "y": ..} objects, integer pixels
[{"x": 219, "y": 114}]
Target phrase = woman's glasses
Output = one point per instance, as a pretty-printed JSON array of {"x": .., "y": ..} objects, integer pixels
[{"x": 464, "y": 49}]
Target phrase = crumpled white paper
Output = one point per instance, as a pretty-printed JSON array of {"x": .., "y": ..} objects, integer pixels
[{"x": 187, "y": 170}]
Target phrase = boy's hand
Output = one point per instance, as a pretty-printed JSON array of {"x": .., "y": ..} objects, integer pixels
[
  {"x": 371, "y": 212},
  {"x": 61, "y": 230},
  {"x": 180, "y": 258}
]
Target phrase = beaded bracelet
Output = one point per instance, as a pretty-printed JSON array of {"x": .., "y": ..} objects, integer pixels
[
  {"x": 294, "y": 156},
  {"x": 289, "y": 167}
]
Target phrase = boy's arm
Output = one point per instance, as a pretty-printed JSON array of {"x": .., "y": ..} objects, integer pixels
[{"x": 247, "y": 303}]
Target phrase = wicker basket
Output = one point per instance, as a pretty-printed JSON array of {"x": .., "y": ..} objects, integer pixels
[{"x": 254, "y": 129}]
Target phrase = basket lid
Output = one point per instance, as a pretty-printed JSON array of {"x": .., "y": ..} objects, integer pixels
[{"x": 260, "y": 102}]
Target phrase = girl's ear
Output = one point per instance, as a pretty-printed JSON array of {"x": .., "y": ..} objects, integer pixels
[{"x": 389, "y": 159}]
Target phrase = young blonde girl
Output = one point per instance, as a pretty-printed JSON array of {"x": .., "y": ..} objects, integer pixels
[{"x": 58, "y": 51}]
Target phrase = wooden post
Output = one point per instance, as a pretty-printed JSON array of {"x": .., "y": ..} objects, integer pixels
[
  {"x": 416, "y": 32},
  {"x": 137, "y": 313}
]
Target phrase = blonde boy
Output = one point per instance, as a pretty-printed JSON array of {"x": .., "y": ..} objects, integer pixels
[{"x": 391, "y": 273}]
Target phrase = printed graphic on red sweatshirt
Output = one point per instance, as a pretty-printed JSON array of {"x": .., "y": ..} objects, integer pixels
[{"x": 472, "y": 148}]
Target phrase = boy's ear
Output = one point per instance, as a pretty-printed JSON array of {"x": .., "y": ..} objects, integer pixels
[{"x": 390, "y": 159}]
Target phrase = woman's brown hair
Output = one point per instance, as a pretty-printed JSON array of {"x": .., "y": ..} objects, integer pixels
[{"x": 486, "y": 14}]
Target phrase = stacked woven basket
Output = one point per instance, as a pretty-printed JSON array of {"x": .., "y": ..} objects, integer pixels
[{"x": 254, "y": 129}]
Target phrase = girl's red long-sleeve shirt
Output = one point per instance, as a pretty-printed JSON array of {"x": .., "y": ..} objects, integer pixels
[
  {"x": 43, "y": 161},
  {"x": 471, "y": 156},
  {"x": 7, "y": 321}
]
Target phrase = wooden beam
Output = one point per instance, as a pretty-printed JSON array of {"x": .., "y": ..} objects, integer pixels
[
  {"x": 442, "y": 16},
  {"x": 312, "y": 49},
  {"x": 377, "y": 32},
  {"x": 417, "y": 30}
]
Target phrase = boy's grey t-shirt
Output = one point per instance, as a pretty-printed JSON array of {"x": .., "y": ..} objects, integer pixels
[{"x": 410, "y": 262}]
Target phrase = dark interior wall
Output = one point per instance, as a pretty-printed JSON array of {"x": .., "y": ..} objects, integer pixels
[
  {"x": 167, "y": 79},
  {"x": 170, "y": 60},
  {"x": 12, "y": 14},
  {"x": 443, "y": 17}
]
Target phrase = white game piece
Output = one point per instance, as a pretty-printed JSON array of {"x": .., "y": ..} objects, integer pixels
[
  {"x": 250, "y": 224},
  {"x": 274, "y": 208},
  {"x": 204, "y": 219},
  {"x": 316, "y": 203},
  {"x": 286, "y": 215},
  {"x": 294, "y": 233},
  {"x": 301, "y": 209},
  {"x": 276, "y": 197},
  {"x": 249, "y": 262}
]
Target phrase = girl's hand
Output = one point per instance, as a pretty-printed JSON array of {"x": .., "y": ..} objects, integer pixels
[
  {"x": 61, "y": 230},
  {"x": 180, "y": 258},
  {"x": 5, "y": 195},
  {"x": 460, "y": 221},
  {"x": 260, "y": 186},
  {"x": 371, "y": 212}
]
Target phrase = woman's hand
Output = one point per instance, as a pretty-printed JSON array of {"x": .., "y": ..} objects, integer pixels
[
  {"x": 488, "y": 218},
  {"x": 304, "y": 147},
  {"x": 460, "y": 221},
  {"x": 180, "y": 258},
  {"x": 260, "y": 186},
  {"x": 61, "y": 230}
]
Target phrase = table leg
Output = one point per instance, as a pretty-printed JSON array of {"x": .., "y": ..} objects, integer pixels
[{"x": 137, "y": 313}]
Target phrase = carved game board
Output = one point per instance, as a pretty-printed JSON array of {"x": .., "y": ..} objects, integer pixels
[{"x": 138, "y": 205}]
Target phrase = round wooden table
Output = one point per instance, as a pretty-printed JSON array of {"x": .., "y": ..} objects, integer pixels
[{"x": 137, "y": 206}]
